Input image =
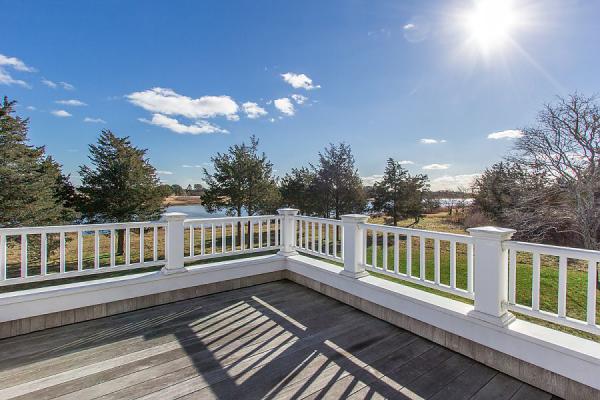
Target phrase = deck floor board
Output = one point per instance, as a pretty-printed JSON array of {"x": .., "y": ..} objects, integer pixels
[{"x": 273, "y": 341}]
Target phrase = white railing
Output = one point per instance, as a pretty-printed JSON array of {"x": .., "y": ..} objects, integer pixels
[
  {"x": 320, "y": 237},
  {"x": 410, "y": 248},
  {"x": 557, "y": 263},
  {"x": 217, "y": 237},
  {"x": 498, "y": 274},
  {"x": 32, "y": 254}
]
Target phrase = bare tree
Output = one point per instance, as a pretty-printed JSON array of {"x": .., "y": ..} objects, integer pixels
[{"x": 565, "y": 148}]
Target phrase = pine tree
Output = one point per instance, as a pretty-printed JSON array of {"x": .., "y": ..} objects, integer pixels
[
  {"x": 121, "y": 185},
  {"x": 338, "y": 188},
  {"x": 242, "y": 181},
  {"x": 33, "y": 190},
  {"x": 297, "y": 189},
  {"x": 399, "y": 194}
]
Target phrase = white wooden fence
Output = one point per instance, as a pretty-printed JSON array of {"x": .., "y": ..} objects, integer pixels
[{"x": 483, "y": 266}]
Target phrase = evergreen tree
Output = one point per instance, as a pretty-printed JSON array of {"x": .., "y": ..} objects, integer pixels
[
  {"x": 242, "y": 181},
  {"x": 121, "y": 185},
  {"x": 33, "y": 191},
  {"x": 399, "y": 194},
  {"x": 338, "y": 188},
  {"x": 297, "y": 190}
]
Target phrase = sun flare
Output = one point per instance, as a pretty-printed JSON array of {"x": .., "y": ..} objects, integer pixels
[{"x": 490, "y": 22}]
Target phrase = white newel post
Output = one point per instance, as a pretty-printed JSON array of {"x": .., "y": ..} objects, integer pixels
[
  {"x": 174, "y": 245},
  {"x": 287, "y": 231},
  {"x": 490, "y": 274},
  {"x": 354, "y": 245}
]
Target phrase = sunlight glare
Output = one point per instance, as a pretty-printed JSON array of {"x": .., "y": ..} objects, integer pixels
[{"x": 489, "y": 23}]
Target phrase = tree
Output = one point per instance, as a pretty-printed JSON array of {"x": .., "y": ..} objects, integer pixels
[
  {"x": 298, "y": 190},
  {"x": 338, "y": 188},
  {"x": 33, "y": 190},
  {"x": 565, "y": 148},
  {"x": 121, "y": 185},
  {"x": 177, "y": 190},
  {"x": 242, "y": 181},
  {"x": 399, "y": 194}
]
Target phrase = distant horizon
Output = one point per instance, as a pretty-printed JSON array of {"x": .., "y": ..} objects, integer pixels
[{"x": 429, "y": 83}]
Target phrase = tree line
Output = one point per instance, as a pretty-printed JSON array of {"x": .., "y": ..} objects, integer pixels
[{"x": 120, "y": 184}]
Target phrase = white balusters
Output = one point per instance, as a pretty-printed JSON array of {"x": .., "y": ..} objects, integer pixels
[
  {"x": 562, "y": 287},
  {"x": 592, "y": 280},
  {"x": 23, "y": 256},
  {"x": 535, "y": 286}
]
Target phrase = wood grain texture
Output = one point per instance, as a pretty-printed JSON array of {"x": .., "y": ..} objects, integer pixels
[{"x": 276, "y": 340}]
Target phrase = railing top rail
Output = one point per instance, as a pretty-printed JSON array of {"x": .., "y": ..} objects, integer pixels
[
  {"x": 319, "y": 219},
  {"x": 32, "y": 230},
  {"x": 551, "y": 250},
  {"x": 229, "y": 219},
  {"x": 420, "y": 232}
]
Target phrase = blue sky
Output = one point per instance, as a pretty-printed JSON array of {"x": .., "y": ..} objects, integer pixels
[{"x": 186, "y": 79}]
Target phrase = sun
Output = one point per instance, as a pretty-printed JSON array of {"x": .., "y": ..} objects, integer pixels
[{"x": 490, "y": 22}]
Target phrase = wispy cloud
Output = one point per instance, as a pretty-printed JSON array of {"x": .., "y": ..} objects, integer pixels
[
  {"x": 31, "y": 108},
  {"x": 253, "y": 110},
  {"x": 432, "y": 141},
  {"x": 285, "y": 105},
  {"x": 199, "y": 127},
  {"x": 94, "y": 120},
  {"x": 453, "y": 182},
  {"x": 15, "y": 64},
  {"x": 72, "y": 102},
  {"x": 371, "y": 180},
  {"x": 436, "y": 166},
  {"x": 194, "y": 166},
  {"x": 161, "y": 172},
  {"x": 54, "y": 85},
  {"x": 299, "y": 81},
  {"x": 406, "y": 162},
  {"x": 60, "y": 113},
  {"x": 508, "y": 134},
  {"x": 299, "y": 99}
]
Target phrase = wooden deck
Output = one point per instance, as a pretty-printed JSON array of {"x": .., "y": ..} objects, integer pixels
[{"x": 273, "y": 341}]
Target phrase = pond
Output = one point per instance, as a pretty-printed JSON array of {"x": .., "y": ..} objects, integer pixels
[{"x": 195, "y": 211}]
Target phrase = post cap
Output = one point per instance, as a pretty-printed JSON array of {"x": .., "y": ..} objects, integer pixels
[
  {"x": 491, "y": 232},
  {"x": 356, "y": 218},
  {"x": 287, "y": 211},
  {"x": 174, "y": 216}
]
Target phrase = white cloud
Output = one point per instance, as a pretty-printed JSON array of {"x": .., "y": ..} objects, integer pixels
[
  {"x": 436, "y": 166},
  {"x": 66, "y": 86},
  {"x": 191, "y": 166},
  {"x": 14, "y": 63},
  {"x": 448, "y": 182},
  {"x": 72, "y": 102},
  {"x": 197, "y": 128},
  {"x": 31, "y": 108},
  {"x": 164, "y": 172},
  {"x": 406, "y": 162},
  {"x": 371, "y": 180},
  {"x": 299, "y": 99},
  {"x": 253, "y": 110},
  {"x": 61, "y": 113},
  {"x": 285, "y": 106},
  {"x": 271, "y": 120},
  {"x": 54, "y": 85},
  {"x": 233, "y": 117},
  {"x": 167, "y": 101},
  {"x": 49, "y": 83},
  {"x": 432, "y": 141},
  {"x": 508, "y": 134},
  {"x": 94, "y": 120},
  {"x": 299, "y": 81},
  {"x": 409, "y": 27}
]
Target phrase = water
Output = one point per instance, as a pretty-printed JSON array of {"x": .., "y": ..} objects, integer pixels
[{"x": 195, "y": 211}]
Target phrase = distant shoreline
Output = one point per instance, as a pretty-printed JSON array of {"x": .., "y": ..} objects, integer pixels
[{"x": 182, "y": 200}]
